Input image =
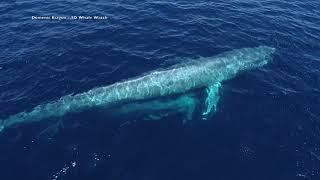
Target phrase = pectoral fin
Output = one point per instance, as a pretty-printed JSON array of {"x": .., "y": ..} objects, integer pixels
[{"x": 212, "y": 99}]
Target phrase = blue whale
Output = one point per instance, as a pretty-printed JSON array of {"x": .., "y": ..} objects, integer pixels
[{"x": 208, "y": 72}]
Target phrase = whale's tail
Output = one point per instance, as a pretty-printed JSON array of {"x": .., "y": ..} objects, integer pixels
[{"x": 103, "y": 96}]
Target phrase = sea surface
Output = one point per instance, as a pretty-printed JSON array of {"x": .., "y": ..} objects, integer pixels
[{"x": 267, "y": 123}]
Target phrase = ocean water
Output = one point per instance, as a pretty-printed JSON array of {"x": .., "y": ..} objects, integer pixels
[{"x": 267, "y": 123}]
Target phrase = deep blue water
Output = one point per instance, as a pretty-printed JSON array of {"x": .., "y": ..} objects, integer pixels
[{"x": 267, "y": 125}]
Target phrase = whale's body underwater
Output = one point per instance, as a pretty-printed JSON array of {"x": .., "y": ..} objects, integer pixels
[{"x": 206, "y": 72}]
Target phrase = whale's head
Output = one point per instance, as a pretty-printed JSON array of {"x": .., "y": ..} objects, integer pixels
[
  {"x": 228, "y": 64},
  {"x": 249, "y": 58},
  {"x": 255, "y": 57}
]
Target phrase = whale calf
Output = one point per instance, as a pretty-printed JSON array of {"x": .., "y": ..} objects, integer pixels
[{"x": 208, "y": 72}]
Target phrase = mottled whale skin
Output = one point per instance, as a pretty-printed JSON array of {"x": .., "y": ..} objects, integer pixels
[{"x": 206, "y": 72}]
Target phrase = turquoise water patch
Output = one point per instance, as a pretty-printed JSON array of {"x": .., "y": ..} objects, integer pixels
[{"x": 162, "y": 107}]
